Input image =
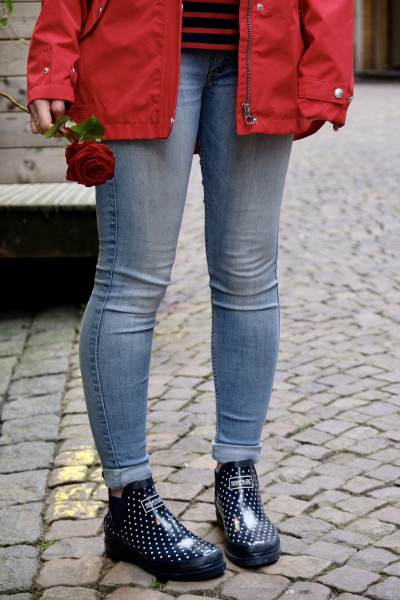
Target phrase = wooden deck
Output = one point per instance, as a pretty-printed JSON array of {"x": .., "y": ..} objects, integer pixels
[
  {"x": 39, "y": 220},
  {"x": 23, "y": 157},
  {"x": 36, "y": 195}
]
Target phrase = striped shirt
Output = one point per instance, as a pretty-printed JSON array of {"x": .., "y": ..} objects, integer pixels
[{"x": 210, "y": 24}]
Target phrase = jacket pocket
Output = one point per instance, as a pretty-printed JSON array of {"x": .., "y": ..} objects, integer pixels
[{"x": 96, "y": 11}]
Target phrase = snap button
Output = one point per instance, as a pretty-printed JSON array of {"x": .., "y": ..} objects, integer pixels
[
  {"x": 339, "y": 93},
  {"x": 46, "y": 70},
  {"x": 99, "y": 11},
  {"x": 260, "y": 6}
]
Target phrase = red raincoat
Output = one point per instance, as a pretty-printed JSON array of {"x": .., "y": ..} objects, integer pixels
[{"x": 120, "y": 61}]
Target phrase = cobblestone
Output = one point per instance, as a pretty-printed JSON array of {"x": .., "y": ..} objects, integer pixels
[
  {"x": 17, "y": 488},
  {"x": 37, "y": 386},
  {"x": 16, "y": 597},
  {"x": 18, "y": 568},
  {"x": 372, "y": 559},
  {"x": 372, "y": 528},
  {"x": 20, "y": 524},
  {"x": 75, "y": 548},
  {"x": 126, "y": 574},
  {"x": 392, "y": 542},
  {"x": 40, "y": 405},
  {"x": 330, "y": 469},
  {"x": 137, "y": 594},
  {"x": 60, "y": 530},
  {"x": 254, "y": 586},
  {"x": 306, "y": 528},
  {"x": 32, "y": 429},
  {"x": 387, "y": 590},
  {"x": 332, "y": 552},
  {"x": 70, "y": 593},
  {"x": 311, "y": 591},
  {"x": 349, "y": 579},
  {"x": 298, "y": 567},
  {"x": 394, "y": 569},
  {"x": 389, "y": 515},
  {"x": 82, "y": 571},
  {"x": 26, "y": 456}
]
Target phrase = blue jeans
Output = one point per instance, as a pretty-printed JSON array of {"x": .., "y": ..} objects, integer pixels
[{"x": 139, "y": 217}]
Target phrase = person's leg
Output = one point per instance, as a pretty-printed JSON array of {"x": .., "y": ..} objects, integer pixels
[
  {"x": 243, "y": 179},
  {"x": 139, "y": 215}
]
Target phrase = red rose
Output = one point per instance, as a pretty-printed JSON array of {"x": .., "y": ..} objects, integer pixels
[{"x": 89, "y": 163}]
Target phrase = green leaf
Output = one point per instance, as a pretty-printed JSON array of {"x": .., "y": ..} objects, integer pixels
[
  {"x": 57, "y": 125},
  {"x": 10, "y": 7},
  {"x": 91, "y": 129}
]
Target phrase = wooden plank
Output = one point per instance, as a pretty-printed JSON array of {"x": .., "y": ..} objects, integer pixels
[
  {"x": 16, "y": 87},
  {"x": 13, "y": 57},
  {"x": 32, "y": 165},
  {"x": 381, "y": 46},
  {"x": 15, "y": 132},
  {"x": 368, "y": 27},
  {"x": 22, "y": 21},
  {"x": 395, "y": 35},
  {"x": 34, "y": 195}
]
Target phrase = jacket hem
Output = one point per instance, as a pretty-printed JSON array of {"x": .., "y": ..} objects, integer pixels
[{"x": 135, "y": 131}]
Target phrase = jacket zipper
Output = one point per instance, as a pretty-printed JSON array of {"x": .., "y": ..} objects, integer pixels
[
  {"x": 172, "y": 119},
  {"x": 248, "y": 115}
]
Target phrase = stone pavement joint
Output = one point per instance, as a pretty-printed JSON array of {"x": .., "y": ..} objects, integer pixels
[{"x": 330, "y": 469}]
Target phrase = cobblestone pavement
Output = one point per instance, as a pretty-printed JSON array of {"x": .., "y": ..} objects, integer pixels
[{"x": 330, "y": 472}]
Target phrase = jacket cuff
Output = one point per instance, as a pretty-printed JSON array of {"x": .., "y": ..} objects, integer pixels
[
  {"x": 50, "y": 92},
  {"x": 322, "y": 111},
  {"x": 329, "y": 91},
  {"x": 325, "y": 100}
]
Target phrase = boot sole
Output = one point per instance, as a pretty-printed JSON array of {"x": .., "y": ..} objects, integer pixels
[
  {"x": 119, "y": 553},
  {"x": 260, "y": 558}
]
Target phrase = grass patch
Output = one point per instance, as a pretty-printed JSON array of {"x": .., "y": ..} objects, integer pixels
[
  {"x": 156, "y": 585},
  {"x": 44, "y": 545}
]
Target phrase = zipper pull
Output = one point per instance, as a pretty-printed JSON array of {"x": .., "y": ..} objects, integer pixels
[{"x": 248, "y": 115}]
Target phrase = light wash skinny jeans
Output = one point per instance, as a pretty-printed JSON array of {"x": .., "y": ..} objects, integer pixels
[{"x": 139, "y": 216}]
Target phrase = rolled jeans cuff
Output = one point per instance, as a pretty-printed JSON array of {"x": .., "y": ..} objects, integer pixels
[
  {"x": 119, "y": 478},
  {"x": 224, "y": 453}
]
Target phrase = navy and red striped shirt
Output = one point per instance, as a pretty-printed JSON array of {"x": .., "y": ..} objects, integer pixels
[{"x": 210, "y": 24}]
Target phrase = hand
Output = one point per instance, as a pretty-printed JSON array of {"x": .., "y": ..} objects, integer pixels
[
  {"x": 336, "y": 126},
  {"x": 44, "y": 112}
]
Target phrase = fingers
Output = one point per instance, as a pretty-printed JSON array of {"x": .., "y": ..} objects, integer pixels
[
  {"x": 57, "y": 109},
  {"x": 35, "y": 123},
  {"x": 44, "y": 112},
  {"x": 41, "y": 112}
]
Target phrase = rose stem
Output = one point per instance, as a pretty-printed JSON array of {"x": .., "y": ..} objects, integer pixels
[{"x": 29, "y": 113}]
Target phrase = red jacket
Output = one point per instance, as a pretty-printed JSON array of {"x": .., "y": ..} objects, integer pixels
[{"x": 120, "y": 61}]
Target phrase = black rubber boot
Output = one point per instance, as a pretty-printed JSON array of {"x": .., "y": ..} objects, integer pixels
[
  {"x": 251, "y": 538},
  {"x": 140, "y": 529}
]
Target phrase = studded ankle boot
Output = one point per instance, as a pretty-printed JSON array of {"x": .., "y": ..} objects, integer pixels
[
  {"x": 251, "y": 538},
  {"x": 140, "y": 529}
]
